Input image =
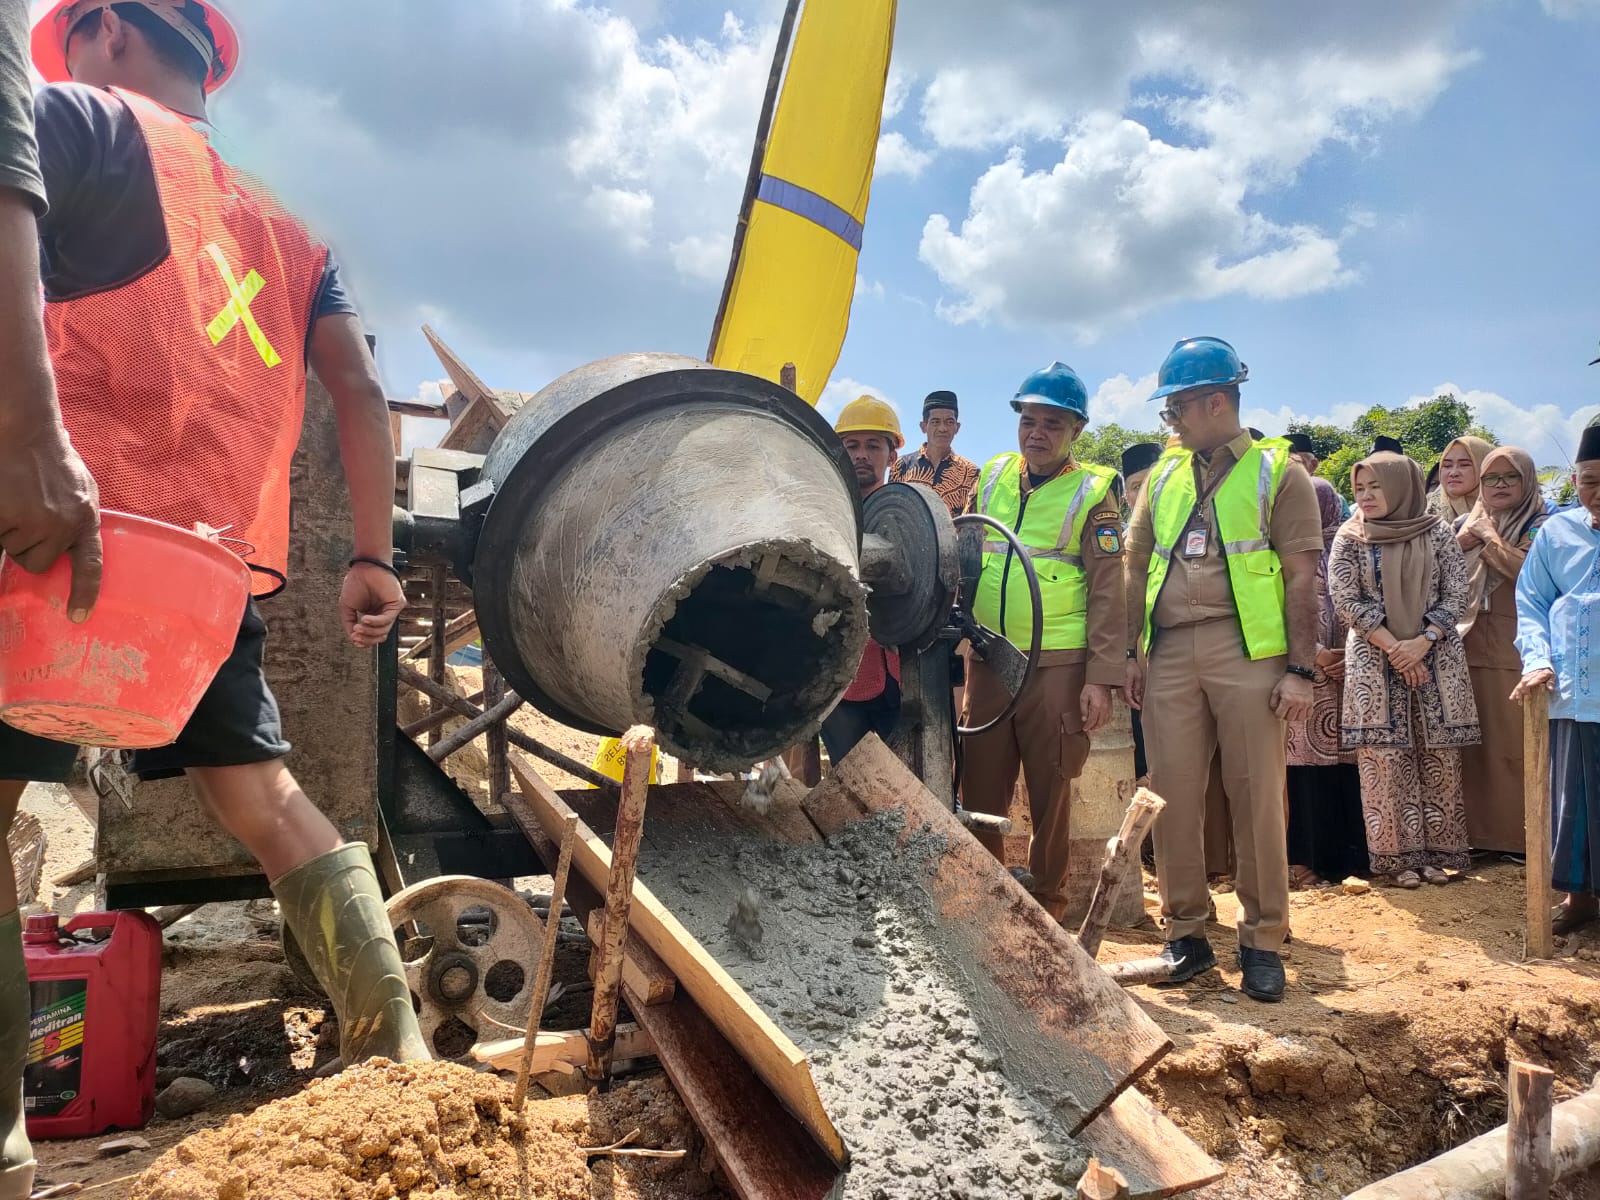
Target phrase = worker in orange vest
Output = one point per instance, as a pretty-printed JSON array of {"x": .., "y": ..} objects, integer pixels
[{"x": 183, "y": 303}]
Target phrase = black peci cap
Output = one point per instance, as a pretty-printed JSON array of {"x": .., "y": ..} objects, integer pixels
[
  {"x": 939, "y": 399},
  {"x": 1589, "y": 445},
  {"x": 1139, "y": 457},
  {"x": 1300, "y": 443},
  {"x": 1384, "y": 444}
]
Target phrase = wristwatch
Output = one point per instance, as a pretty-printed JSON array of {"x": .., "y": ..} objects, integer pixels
[
  {"x": 1431, "y": 634},
  {"x": 1303, "y": 672}
]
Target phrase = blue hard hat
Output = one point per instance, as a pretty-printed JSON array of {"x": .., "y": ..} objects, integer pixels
[
  {"x": 1199, "y": 362},
  {"x": 1057, "y": 385}
]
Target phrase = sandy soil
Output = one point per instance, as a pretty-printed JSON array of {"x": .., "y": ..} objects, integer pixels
[{"x": 1390, "y": 1045}]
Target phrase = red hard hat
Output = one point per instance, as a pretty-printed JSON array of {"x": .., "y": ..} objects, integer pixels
[{"x": 57, "y": 18}]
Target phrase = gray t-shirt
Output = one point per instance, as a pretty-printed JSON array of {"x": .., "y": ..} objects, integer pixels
[{"x": 19, "y": 153}]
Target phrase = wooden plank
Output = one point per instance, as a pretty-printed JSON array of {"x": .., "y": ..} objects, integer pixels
[
  {"x": 462, "y": 631},
  {"x": 1142, "y": 812},
  {"x": 1086, "y": 1039},
  {"x": 1150, "y": 1152},
  {"x": 1536, "y": 806},
  {"x": 1529, "y": 1167},
  {"x": 776, "y": 1059},
  {"x": 553, "y": 1050},
  {"x": 643, "y": 972},
  {"x": 763, "y": 1153},
  {"x": 463, "y": 376}
]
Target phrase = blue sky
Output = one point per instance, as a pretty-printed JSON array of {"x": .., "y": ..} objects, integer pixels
[{"x": 1370, "y": 202}]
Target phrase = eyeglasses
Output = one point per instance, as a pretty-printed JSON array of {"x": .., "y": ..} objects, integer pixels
[
  {"x": 1172, "y": 412},
  {"x": 1501, "y": 480}
]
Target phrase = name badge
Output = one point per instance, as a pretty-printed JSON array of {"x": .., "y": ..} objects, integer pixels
[{"x": 1194, "y": 543}]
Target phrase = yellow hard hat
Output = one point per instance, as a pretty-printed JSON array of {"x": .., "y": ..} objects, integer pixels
[{"x": 868, "y": 414}]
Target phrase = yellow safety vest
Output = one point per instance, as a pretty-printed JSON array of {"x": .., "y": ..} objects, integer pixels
[
  {"x": 1243, "y": 504},
  {"x": 1049, "y": 521}
]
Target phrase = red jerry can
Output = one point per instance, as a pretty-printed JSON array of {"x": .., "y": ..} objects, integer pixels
[{"x": 95, "y": 1008}]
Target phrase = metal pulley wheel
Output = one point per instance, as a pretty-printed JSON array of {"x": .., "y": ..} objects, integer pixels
[
  {"x": 910, "y": 559},
  {"x": 471, "y": 961},
  {"x": 1013, "y": 668}
]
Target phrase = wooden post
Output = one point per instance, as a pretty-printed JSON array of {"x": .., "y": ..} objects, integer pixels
[
  {"x": 547, "y": 958},
  {"x": 494, "y": 691},
  {"x": 437, "y": 653},
  {"x": 1536, "y": 809},
  {"x": 1102, "y": 1183},
  {"x": 787, "y": 377},
  {"x": 638, "y": 743},
  {"x": 1121, "y": 851},
  {"x": 1530, "y": 1168}
]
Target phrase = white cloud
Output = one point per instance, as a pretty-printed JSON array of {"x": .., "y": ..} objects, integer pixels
[
  {"x": 1126, "y": 402},
  {"x": 870, "y": 287},
  {"x": 897, "y": 156},
  {"x": 629, "y": 213},
  {"x": 1133, "y": 210},
  {"x": 1543, "y": 430},
  {"x": 1123, "y": 223},
  {"x": 841, "y": 391}
]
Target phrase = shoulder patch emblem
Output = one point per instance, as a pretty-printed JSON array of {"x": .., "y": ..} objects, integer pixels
[{"x": 1108, "y": 538}]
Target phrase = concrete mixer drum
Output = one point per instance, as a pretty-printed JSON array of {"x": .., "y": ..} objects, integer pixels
[{"x": 675, "y": 545}]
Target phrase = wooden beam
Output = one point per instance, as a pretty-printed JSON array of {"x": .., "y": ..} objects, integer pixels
[
  {"x": 462, "y": 631},
  {"x": 476, "y": 727},
  {"x": 1155, "y": 1156},
  {"x": 1529, "y": 1168},
  {"x": 554, "y": 1050},
  {"x": 638, "y": 744},
  {"x": 463, "y": 376},
  {"x": 1476, "y": 1170},
  {"x": 1123, "y": 849},
  {"x": 1536, "y": 808},
  {"x": 1101, "y": 1183},
  {"x": 764, "y": 1153},
  {"x": 643, "y": 973},
  {"x": 1083, "y": 1033},
  {"x": 776, "y": 1059}
]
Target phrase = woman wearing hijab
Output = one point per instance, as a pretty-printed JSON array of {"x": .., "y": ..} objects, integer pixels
[
  {"x": 1459, "y": 467},
  {"x": 1327, "y": 836},
  {"x": 1496, "y": 535},
  {"x": 1398, "y": 578}
]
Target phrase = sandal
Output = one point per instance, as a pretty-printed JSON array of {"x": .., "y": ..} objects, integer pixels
[
  {"x": 1409, "y": 880},
  {"x": 1304, "y": 879},
  {"x": 1567, "y": 918},
  {"x": 1435, "y": 875}
]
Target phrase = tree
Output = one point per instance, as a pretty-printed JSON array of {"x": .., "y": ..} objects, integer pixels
[
  {"x": 1103, "y": 445},
  {"x": 1423, "y": 432}
]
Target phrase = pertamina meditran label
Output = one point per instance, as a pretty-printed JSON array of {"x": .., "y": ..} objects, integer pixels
[{"x": 53, "y": 1076}]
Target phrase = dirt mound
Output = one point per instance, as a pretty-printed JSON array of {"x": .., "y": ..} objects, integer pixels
[
  {"x": 1390, "y": 1045},
  {"x": 381, "y": 1130}
]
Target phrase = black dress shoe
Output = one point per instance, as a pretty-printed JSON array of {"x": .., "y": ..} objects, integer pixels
[
  {"x": 1189, "y": 956},
  {"x": 1263, "y": 974}
]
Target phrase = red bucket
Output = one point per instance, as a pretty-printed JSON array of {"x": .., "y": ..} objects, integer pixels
[{"x": 130, "y": 676}]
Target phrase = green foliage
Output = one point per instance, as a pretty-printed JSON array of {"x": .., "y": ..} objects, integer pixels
[
  {"x": 1325, "y": 439},
  {"x": 1424, "y": 431},
  {"x": 1104, "y": 444}
]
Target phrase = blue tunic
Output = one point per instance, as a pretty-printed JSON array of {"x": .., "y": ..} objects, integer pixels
[{"x": 1558, "y": 613}]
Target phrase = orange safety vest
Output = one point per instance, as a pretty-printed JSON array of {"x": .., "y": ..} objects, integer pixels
[{"x": 184, "y": 389}]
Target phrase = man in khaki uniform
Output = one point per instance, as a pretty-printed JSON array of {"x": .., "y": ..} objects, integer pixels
[
  {"x": 1222, "y": 557},
  {"x": 1067, "y": 515}
]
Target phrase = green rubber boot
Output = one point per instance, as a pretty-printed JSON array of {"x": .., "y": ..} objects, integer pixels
[
  {"x": 16, "y": 1155},
  {"x": 334, "y": 907}
]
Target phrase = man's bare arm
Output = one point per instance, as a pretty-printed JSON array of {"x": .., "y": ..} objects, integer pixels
[
  {"x": 372, "y": 597},
  {"x": 48, "y": 502}
]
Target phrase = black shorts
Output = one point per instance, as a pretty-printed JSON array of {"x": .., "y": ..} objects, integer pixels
[{"x": 236, "y": 724}]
